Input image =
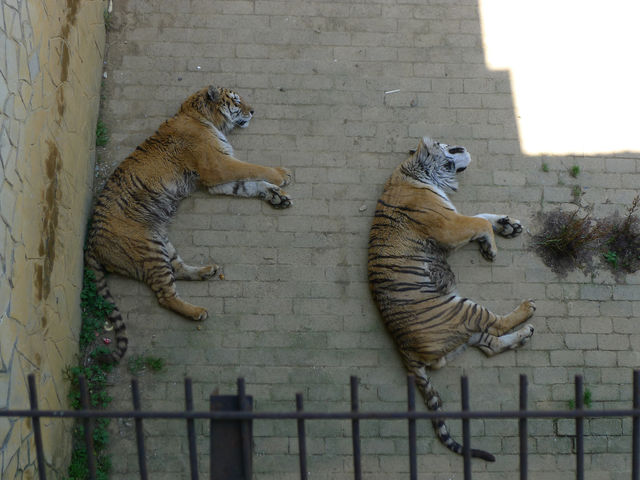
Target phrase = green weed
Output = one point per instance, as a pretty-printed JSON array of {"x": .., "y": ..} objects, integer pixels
[
  {"x": 586, "y": 400},
  {"x": 94, "y": 311},
  {"x": 574, "y": 171},
  {"x": 102, "y": 134},
  {"x": 107, "y": 19},
  {"x": 576, "y": 193},
  {"x": 139, "y": 363},
  {"x": 612, "y": 258}
]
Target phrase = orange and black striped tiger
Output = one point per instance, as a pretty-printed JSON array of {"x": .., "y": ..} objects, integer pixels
[
  {"x": 128, "y": 233},
  {"x": 414, "y": 228}
]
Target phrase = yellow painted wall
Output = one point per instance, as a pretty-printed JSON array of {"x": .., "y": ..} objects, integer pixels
[{"x": 50, "y": 72}]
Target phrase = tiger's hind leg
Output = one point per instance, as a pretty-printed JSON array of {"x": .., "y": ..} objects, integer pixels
[
  {"x": 158, "y": 273},
  {"x": 182, "y": 271},
  {"x": 481, "y": 320},
  {"x": 163, "y": 285},
  {"x": 491, "y": 345},
  {"x": 502, "y": 324}
]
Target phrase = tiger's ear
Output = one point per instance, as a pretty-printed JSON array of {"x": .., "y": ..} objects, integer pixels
[
  {"x": 427, "y": 144},
  {"x": 213, "y": 93}
]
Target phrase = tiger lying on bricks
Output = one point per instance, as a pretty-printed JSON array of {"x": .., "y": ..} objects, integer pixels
[
  {"x": 414, "y": 228},
  {"x": 128, "y": 233}
]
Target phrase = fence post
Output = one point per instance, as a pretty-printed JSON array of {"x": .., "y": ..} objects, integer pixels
[
  {"x": 302, "y": 439},
  {"x": 523, "y": 430},
  {"x": 466, "y": 431},
  {"x": 635, "y": 451},
  {"x": 142, "y": 461},
  {"x": 88, "y": 427},
  {"x": 230, "y": 441},
  {"x": 579, "y": 429},
  {"x": 191, "y": 428},
  {"x": 411, "y": 407},
  {"x": 37, "y": 432},
  {"x": 355, "y": 430},
  {"x": 245, "y": 431}
]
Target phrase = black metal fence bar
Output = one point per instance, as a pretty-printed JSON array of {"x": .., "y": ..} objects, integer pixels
[
  {"x": 355, "y": 430},
  {"x": 212, "y": 463},
  {"x": 635, "y": 449},
  {"x": 245, "y": 435},
  {"x": 306, "y": 415},
  {"x": 191, "y": 429},
  {"x": 37, "y": 431},
  {"x": 579, "y": 429},
  {"x": 243, "y": 416},
  {"x": 142, "y": 460},
  {"x": 88, "y": 427},
  {"x": 302, "y": 440},
  {"x": 523, "y": 430},
  {"x": 413, "y": 434},
  {"x": 466, "y": 434}
]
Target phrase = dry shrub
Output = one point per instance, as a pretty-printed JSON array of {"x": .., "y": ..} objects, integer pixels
[
  {"x": 569, "y": 240},
  {"x": 622, "y": 246}
]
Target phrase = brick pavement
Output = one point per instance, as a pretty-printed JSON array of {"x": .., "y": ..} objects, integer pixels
[{"x": 293, "y": 313}]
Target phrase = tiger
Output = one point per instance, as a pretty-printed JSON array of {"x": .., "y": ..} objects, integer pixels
[
  {"x": 414, "y": 228},
  {"x": 131, "y": 215}
]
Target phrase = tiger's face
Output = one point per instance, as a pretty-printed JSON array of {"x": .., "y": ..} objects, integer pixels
[
  {"x": 437, "y": 163},
  {"x": 223, "y": 107},
  {"x": 231, "y": 106}
]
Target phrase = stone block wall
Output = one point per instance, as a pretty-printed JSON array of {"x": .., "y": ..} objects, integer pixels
[{"x": 51, "y": 55}]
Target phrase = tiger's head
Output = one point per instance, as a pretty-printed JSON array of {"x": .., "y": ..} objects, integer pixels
[
  {"x": 436, "y": 163},
  {"x": 221, "y": 106}
]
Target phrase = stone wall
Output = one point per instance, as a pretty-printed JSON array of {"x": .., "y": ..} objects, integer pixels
[{"x": 50, "y": 69}]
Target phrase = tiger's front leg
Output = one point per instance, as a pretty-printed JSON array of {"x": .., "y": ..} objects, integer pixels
[
  {"x": 500, "y": 224},
  {"x": 230, "y": 176},
  {"x": 226, "y": 169},
  {"x": 460, "y": 230},
  {"x": 269, "y": 192},
  {"x": 503, "y": 225}
]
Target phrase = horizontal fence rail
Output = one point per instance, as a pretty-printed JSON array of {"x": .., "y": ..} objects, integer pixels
[{"x": 231, "y": 419}]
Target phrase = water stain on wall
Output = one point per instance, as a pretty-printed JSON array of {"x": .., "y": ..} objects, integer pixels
[
  {"x": 50, "y": 211},
  {"x": 65, "y": 56},
  {"x": 53, "y": 165}
]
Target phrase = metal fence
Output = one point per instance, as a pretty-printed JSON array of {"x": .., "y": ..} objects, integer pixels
[{"x": 231, "y": 416}]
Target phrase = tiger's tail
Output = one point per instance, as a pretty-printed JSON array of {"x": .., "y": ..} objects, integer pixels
[
  {"x": 115, "y": 317},
  {"x": 434, "y": 403}
]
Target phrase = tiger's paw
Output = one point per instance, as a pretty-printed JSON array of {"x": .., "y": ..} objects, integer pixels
[
  {"x": 286, "y": 176},
  {"x": 199, "y": 314},
  {"x": 277, "y": 198},
  {"x": 509, "y": 227},
  {"x": 524, "y": 334},
  {"x": 488, "y": 251},
  {"x": 528, "y": 307},
  {"x": 208, "y": 271}
]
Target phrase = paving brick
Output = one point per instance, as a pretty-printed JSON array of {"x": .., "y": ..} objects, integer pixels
[{"x": 294, "y": 312}]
